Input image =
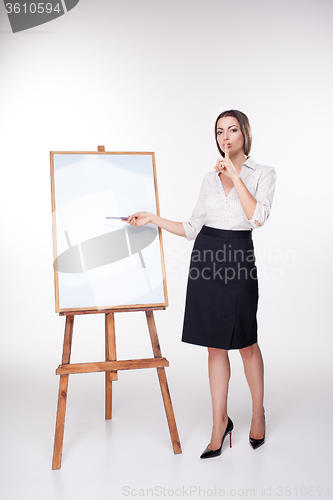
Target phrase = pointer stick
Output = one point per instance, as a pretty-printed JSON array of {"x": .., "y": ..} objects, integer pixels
[{"x": 121, "y": 218}]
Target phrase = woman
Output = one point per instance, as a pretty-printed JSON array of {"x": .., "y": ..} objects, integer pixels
[{"x": 222, "y": 289}]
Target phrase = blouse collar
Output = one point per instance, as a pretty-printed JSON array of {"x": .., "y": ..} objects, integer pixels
[{"x": 250, "y": 163}]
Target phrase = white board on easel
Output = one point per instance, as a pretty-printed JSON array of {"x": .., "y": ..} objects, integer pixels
[{"x": 102, "y": 263}]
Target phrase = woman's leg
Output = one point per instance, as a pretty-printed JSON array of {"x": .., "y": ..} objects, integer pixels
[
  {"x": 219, "y": 375},
  {"x": 254, "y": 372}
]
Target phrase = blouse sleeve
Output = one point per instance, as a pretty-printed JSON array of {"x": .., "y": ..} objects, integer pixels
[
  {"x": 194, "y": 224},
  {"x": 264, "y": 197}
]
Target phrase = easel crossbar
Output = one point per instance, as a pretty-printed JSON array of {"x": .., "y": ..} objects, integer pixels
[{"x": 106, "y": 366}]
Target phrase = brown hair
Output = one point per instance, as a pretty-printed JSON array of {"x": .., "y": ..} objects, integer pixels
[{"x": 244, "y": 126}]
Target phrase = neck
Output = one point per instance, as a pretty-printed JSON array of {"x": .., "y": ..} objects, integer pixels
[{"x": 238, "y": 159}]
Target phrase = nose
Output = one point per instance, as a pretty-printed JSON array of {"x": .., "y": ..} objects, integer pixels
[{"x": 225, "y": 137}]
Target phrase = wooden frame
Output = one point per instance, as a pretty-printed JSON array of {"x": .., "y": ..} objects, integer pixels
[{"x": 99, "y": 307}]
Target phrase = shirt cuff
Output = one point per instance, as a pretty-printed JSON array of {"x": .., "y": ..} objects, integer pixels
[
  {"x": 189, "y": 231},
  {"x": 257, "y": 216}
]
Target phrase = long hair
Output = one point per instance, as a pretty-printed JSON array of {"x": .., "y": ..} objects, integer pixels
[{"x": 244, "y": 126}]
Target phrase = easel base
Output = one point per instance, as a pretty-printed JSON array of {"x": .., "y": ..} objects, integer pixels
[{"x": 111, "y": 366}]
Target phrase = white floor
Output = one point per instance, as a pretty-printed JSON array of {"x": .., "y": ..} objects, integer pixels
[{"x": 132, "y": 454}]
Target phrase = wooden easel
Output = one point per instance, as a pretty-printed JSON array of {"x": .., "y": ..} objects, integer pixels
[{"x": 110, "y": 366}]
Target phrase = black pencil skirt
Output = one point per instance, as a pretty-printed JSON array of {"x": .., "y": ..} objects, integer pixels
[{"x": 222, "y": 290}]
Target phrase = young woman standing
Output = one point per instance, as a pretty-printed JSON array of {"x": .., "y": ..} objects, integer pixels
[{"x": 222, "y": 290}]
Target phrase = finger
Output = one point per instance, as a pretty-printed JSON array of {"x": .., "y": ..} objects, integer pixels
[{"x": 226, "y": 152}]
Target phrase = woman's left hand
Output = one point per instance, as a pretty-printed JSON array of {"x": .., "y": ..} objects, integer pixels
[{"x": 226, "y": 166}]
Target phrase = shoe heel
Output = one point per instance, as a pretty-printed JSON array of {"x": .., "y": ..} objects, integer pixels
[{"x": 214, "y": 453}]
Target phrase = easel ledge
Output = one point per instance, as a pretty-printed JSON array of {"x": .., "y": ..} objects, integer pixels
[
  {"x": 110, "y": 310},
  {"x": 110, "y": 366}
]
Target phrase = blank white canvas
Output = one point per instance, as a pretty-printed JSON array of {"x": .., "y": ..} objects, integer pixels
[{"x": 88, "y": 188}]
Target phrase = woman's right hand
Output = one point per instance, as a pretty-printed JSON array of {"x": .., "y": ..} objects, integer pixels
[
  {"x": 143, "y": 218},
  {"x": 140, "y": 219}
]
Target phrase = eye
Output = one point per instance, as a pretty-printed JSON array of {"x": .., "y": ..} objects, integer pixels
[
  {"x": 218, "y": 132},
  {"x": 234, "y": 130}
]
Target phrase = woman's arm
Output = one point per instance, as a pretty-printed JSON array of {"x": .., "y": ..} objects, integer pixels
[
  {"x": 256, "y": 209},
  {"x": 189, "y": 229},
  {"x": 249, "y": 203},
  {"x": 143, "y": 218}
]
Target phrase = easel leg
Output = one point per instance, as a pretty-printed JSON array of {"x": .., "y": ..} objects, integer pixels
[
  {"x": 62, "y": 398},
  {"x": 110, "y": 355},
  {"x": 163, "y": 384}
]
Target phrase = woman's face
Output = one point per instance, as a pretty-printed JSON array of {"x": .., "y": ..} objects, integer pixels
[{"x": 229, "y": 133}]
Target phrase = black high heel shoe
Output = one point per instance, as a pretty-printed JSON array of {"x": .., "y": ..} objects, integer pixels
[
  {"x": 215, "y": 453},
  {"x": 255, "y": 443}
]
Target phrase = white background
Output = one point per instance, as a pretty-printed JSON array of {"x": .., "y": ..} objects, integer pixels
[{"x": 144, "y": 75}]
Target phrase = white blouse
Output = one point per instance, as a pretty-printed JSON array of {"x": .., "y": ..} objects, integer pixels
[{"x": 215, "y": 209}]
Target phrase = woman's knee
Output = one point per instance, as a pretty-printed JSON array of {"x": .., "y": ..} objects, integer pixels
[
  {"x": 249, "y": 352},
  {"x": 213, "y": 352}
]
